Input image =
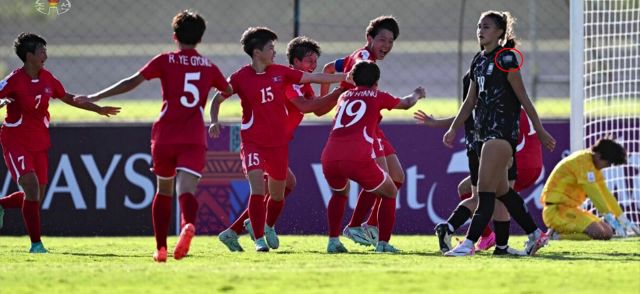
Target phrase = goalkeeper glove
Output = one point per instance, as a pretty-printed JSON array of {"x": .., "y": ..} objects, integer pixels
[
  {"x": 628, "y": 225},
  {"x": 610, "y": 219}
]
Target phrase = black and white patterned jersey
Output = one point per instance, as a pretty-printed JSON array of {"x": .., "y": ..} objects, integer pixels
[
  {"x": 469, "y": 134},
  {"x": 497, "y": 109}
]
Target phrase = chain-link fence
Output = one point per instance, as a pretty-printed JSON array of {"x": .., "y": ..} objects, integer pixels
[{"x": 96, "y": 43}]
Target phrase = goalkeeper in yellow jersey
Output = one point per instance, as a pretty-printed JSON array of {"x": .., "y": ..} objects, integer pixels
[{"x": 572, "y": 180}]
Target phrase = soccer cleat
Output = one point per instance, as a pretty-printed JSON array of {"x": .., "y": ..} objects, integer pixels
[
  {"x": 537, "y": 240},
  {"x": 486, "y": 243},
  {"x": 444, "y": 237},
  {"x": 247, "y": 226},
  {"x": 358, "y": 235},
  {"x": 384, "y": 247},
  {"x": 230, "y": 239},
  {"x": 182, "y": 248},
  {"x": 271, "y": 236},
  {"x": 335, "y": 246},
  {"x": 1, "y": 216},
  {"x": 463, "y": 249},
  {"x": 508, "y": 251},
  {"x": 261, "y": 245},
  {"x": 373, "y": 232},
  {"x": 37, "y": 247},
  {"x": 160, "y": 255}
]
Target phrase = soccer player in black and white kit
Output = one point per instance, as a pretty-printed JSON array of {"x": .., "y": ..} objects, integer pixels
[{"x": 496, "y": 94}]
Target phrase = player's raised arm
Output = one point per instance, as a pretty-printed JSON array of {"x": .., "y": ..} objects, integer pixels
[
  {"x": 329, "y": 68},
  {"x": 101, "y": 110},
  {"x": 515, "y": 79},
  {"x": 123, "y": 86},
  {"x": 411, "y": 100},
  {"x": 320, "y": 78},
  {"x": 463, "y": 114},
  {"x": 320, "y": 105}
]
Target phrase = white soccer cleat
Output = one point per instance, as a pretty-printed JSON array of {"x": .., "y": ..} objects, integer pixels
[
  {"x": 466, "y": 248},
  {"x": 358, "y": 235},
  {"x": 537, "y": 240},
  {"x": 509, "y": 251},
  {"x": 374, "y": 233}
]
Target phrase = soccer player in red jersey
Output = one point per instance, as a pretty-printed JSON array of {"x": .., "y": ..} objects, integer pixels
[
  {"x": 381, "y": 34},
  {"x": 25, "y": 132},
  {"x": 264, "y": 136},
  {"x": 349, "y": 153},
  {"x": 303, "y": 54},
  {"x": 178, "y": 139}
]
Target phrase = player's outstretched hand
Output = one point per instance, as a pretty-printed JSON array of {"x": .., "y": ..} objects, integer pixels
[
  {"x": 423, "y": 118},
  {"x": 108, "y": 110},
  {"x": 5, "y": 101},
  {"x": 449, "y": 137},
  {"x": 214, "y": 130},
  {"x": 421, "y": 92},
  {"x": 547, "y": 140}
]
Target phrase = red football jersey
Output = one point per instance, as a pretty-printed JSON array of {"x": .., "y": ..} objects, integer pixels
[
  {"x": 27, "y": 120},
  {"x": 263, "y": 100},
  {"x": 355, "y": 123},
  {"x": 351, "y": 60},
  {"x": 186, "y": 79},
  {"x": 529, "y": 149},
  {"x": 295, "y": 116}
]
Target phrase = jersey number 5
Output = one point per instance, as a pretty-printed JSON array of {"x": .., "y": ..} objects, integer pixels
[
  {"x": 347, "y": 107},
  {"x": 191, "y": 88}
]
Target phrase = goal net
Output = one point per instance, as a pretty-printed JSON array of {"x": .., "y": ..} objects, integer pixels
[{"x": 605, "y": 88}]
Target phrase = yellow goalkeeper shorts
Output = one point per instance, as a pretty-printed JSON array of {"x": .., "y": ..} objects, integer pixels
[{"x": 567, "y": 219}]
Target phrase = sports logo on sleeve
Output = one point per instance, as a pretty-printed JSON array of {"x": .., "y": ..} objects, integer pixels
[{"x": 591, "y": 177}]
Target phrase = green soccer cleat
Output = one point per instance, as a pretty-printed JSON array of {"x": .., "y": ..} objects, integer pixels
[
  {"x": 230, "y": 239},
  {"x": 384, "y": 247},
  {"x": 249, "y": 228},
  {"x": 261, "y": 245},
  {"x": 357, "y": 235},
  {"x": 37, "y": 247},
  {"x": 271, "y": 236},
  {"x": 335, "y": 246}
]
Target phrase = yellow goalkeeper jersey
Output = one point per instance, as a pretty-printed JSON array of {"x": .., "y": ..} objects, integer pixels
[{"x": 573, "y": 179}]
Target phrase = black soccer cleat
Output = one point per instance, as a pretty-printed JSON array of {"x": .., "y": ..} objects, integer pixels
[{"x": 444, "y": 237}]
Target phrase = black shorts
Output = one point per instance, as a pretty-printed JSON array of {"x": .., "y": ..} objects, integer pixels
[{"x": 474, "y": 165}]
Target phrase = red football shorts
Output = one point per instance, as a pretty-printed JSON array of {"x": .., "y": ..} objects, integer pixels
[
  {"x": 526, "y": 178},
  {"x": 366, "y": 173},
  {"x": 381, "y": 145},
  {"x": 271, "y": 160},
  {"x": 169, "y": 158},
  {"x": 19, "y": 162}
]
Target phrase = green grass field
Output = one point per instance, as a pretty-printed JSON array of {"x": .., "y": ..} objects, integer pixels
[
  {"x": 147, "y": 110},
  {"x": 120, "y": 264}
]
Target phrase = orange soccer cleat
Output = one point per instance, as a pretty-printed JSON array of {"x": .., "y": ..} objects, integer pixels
[{"x": 182, "y": 248}]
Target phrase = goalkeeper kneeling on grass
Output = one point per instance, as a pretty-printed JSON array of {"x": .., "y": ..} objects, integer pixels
[{"x": 572, "y": 180}]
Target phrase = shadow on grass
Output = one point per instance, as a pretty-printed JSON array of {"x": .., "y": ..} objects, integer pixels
[{"x": 105, "y": 255}]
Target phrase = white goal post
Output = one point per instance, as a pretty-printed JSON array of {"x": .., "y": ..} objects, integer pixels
[{"x": 605, "y": 88}]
